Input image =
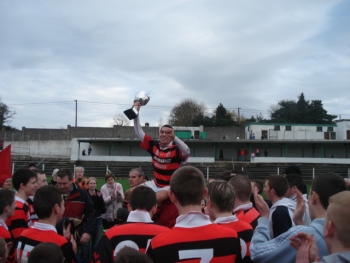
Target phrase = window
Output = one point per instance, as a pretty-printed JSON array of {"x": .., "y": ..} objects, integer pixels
[
  {"x": 330, "y": 129},
  {"x": 319, "y": 129},
  {"x": 276, "y": 128},
  {"x": 288, "y": 128}
]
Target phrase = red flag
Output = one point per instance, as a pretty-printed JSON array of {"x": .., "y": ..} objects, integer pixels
[{"x": 5, "y": 165}]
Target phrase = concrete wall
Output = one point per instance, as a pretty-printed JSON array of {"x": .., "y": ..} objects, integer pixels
[
  {"x": 300, "y": 160},
  {"x": 41, "y": 148}
]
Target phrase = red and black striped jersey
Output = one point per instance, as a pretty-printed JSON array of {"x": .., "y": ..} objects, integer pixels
[
  {"x": 6, "y": 235},
  {"x": 40, "y": 233},
  {"x": 244, "y": 232},
  {"x": 196, "y": 240},
  {"x": 135, "y": 235},
  {"x": 33, "y": 216},
  {"x": 249, "y": 216},
  {"x": 164, "y": 161},
  {"x": 17, "y": 223}
]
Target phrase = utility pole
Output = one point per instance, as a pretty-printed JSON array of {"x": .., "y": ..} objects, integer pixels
[
  {"x": 76, "y": 113},
  {"x": 239, "y": 117}
]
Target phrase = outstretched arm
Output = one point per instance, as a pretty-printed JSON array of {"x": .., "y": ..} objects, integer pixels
[
  {"x": 137, "y": 126},
  {"x": 182, "y": 146}
]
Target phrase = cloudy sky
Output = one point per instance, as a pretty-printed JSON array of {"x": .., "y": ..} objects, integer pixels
[{"x": 247, "y": 54}]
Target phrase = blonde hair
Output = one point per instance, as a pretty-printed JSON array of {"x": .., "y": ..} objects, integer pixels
[
  {"x": 92, "y": 178},
  {"x": 338, "y": 213}
]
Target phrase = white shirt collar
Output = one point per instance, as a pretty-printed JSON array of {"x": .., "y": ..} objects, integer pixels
[
  {"x": 2, "y": 223},
  {"x": 43, "y": 226},
  {"x": 243, "y": 207},
  {"x": 20, "y": 200},
  {"x": 192, "y": 219},
  {"x": 226, "y": 219},
  {"x": 141, "y": 216}
]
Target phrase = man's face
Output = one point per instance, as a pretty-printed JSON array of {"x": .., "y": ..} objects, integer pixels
[
  {"x": 166, "y": 135},
  {"x": 41, "y": 180},
  {"x": 267, "y": 190},
  {"x": 11, "y": 211},
  {"x": 30, "y": 187},
  {"x": 32, "y": 168},
  {"x": 134, "y": 179},
  {"x": 64, "y": 184}
]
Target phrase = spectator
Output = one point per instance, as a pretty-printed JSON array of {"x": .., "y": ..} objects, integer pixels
[
  {"x": 336, "y": 231},
  {"x": 79, "y": 178},
  {"x": 113, "y": 196},
  {"x": 83, "y": 152},
  {"x": 138, "y": 231},
  {"x": 193, "y": 229},
  {"x": 136, "y": 177},
  {"x": 282, "y": 209},
  {"x": 243, "y": 207},
  {"x": 266, "y": 153},
  {"x": 5, "y": 183},
  {"x": 221, "y": 155},
  {"x": 24, "y": 182},
  {"x": 100, "y": 208},
  {"x": 49, "y": 207},
  {"x": 78, "y": 205},
  {"x": 221, "y": 198},
  {"x": 89, "y": 150},
  {"x": 294, "y": 169},
  {"x": 7, "y": 208},
  {"x": 46, "y": 252},
  {"x": 131, "y": 255},
  {"x": 54, "y": 176},
  {"x": 263, "y": 249},
  {"x": 32, "y": 166}
]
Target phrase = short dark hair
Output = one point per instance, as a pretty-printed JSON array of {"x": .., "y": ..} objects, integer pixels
[
  {"x": 259, "y": 185},
  {"x": 295, "y": 180},
  {"x": 142, "y": 197},
  {"x": 38, "y": 171},
  {"x": 187, "y": 184},
  {"x": 242, "y": 187},
  {"x": 131, "y": 255},
  {"x": 222, "y": 195},
  {"x": 140, "y": 172},
  {"x": 326, "y": 185},
  {"x": 65, "y": 172},
  {"x": 31, "y": 164},
  {"x": 7, "y": 197},
  {"x": 46, "y": 252},
  {"x": 109, "y": 175},
  {"x": 45, "y": 199},
  {"x": 22, "y": 176},
  {"x": 167, "y": 126},
  {"x": 292, "y": 169},
  {"x": 278, "y": 183}
]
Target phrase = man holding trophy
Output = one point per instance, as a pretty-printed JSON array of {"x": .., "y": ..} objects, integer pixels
[{"x": 167, "y": 154}]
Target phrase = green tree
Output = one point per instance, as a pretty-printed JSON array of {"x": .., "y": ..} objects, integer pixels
[
  {"x": 6, "y": 115},
  {"x": 223, "y": 117},
  {"x": 302, "y": 111},
  {"x": 183, "y": 113}
]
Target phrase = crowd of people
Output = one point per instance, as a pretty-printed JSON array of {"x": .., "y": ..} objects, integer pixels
[{"x": 176, "y": 217}]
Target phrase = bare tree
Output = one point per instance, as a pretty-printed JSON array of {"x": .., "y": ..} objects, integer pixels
[
  {"x": 120, "y": 120},
  {"x": 5, "y": 114},
  {"x": 160, "y": 121},
  {"x": 184, "y": 112}
]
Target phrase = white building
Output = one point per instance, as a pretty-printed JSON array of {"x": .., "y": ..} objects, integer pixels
[{"x": 290, "y": 131}]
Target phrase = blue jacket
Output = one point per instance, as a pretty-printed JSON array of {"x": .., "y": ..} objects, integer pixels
[{"x": 264, "y": 249}]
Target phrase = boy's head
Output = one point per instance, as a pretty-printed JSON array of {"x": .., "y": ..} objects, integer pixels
[
  {"x": 337, "y": 220},
  {"x": 295, "y": 181},
  {"x": 275, "y": 186},
  {"x": 143, "y": 198},
  {"x": 7, "y": 202},
  {"x": 25, "y": 180},
  {"x": 188, "y": 186},
  {"x": 242, "y": 187},
  {"x": 48, "y": 199},
  {"x": 221, "y": 197},
  {"x": 326, "y": 185},
  {"x": 46, "y": 252}
]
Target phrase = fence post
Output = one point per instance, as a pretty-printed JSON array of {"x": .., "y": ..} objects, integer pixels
[
  {"x": 107, "y": 169},
  {"x": 207, "y": 173},
  {"x": 313, "y": 173},
  {"x": 13, "y": 168},
  {"x": 278, "y": 170},
  {"x": 43, "y": 167}
]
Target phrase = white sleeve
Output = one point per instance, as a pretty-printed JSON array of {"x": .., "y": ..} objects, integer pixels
[
  {"x": 138, "y": 130},
  {"x": 182, "y": 146}
]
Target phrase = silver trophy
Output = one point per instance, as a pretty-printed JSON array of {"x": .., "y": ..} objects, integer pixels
[{"x": 141, "y": 97}]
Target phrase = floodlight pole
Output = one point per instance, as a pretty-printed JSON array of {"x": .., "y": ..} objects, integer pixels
[{"x": 76, "y": 113}]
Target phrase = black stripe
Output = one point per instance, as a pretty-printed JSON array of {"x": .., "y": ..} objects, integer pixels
[{"x": 246, "y": 235}]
